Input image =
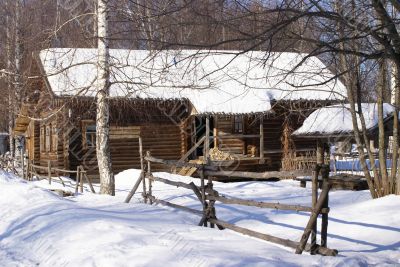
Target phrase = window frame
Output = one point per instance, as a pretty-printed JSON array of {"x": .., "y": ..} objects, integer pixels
[
  {"x": 238, "y": 120},
  {"x": 85, "y": 143}
]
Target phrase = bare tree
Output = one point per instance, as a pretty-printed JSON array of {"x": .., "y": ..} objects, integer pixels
[{"x": 107, "y": 183}]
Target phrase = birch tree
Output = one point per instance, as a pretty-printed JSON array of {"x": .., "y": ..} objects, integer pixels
[{"x": 107, "y": 182}]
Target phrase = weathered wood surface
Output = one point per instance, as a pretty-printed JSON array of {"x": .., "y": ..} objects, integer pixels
[
  {"x": 313, "y": 218},
  {"x": 270, "y": 238},
  {"x": 260, "y": 175},
  {"x": 135, "y": 188},
  {"x": 172, "y": 205},
  {"x": 261, "y": 204},
  {"x": 179, "y": 164}
]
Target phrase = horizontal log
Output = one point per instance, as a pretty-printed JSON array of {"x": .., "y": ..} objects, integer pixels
[
  {"x": 172, "y": 205},
  {"x": 260, "y": 175},
  {"x": 177, "y": 163},
  {"x": 277, "y": 240},
  {"x": 169, "y": 182},
  {"x": 233, "y": 136},
  {"x": 261, "y": 204},
  {"x": 62, "y": 170}
]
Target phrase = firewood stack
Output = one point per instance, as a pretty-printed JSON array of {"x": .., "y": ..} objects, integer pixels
[{"x": 216, "y": 154}]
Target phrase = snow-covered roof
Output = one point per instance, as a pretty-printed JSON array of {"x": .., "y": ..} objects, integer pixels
[
  {"x": 213, "y": 81},
  {"x": 334, "y": 120}
]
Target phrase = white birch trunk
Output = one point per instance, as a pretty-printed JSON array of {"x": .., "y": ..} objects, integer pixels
[
  {"x": 10, "y": 88},
  {"x": 18, "y": 71},
  {"x": 107, "y": 183}
]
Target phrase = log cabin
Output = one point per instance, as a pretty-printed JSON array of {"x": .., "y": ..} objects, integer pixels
[{"x": 236, "y": 108}]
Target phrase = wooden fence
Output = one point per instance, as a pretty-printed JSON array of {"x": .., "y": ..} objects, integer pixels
[
  {"x": 207, "y": 196},
  {"x": 49, "y": 172}
]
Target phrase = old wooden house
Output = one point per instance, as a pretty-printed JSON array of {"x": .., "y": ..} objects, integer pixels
[
  {"x": 235, "y": 108},
  {"x": 332, "y": 127}
]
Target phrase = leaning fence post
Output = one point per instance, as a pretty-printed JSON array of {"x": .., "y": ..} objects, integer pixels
[
  {"x": 324, "y": 222},
  {"x": 148, "y": 154},
  {"x": 49, "y": 170}
]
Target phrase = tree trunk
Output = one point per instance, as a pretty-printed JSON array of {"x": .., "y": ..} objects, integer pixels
[
  {"x": 381, "y": 126},
  {"x": 107, "y": 183},
  {"x": 10, "y": 88}
]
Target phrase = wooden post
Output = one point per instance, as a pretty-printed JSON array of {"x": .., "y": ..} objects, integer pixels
[
  {"x": 23, "y": 164},
  {"x": 77, "y": 179},
  {"x": 149, "y": 177},
  {"x": 203, "y": 197},
  {"x": 314, "y": 191},
  {"x": 262, "y": 161},
  {"x": 49, "y": 170},
  {"x": 207, "y": 141},
  {"x": 324, "y": 222},
  {"x": 320, "y": 152},
  {"x": 142, "y": 167},
  {"x": 313, "y": 218},
  {"x": 81, "y": 180},
  {"x": 27, "y": 170},
  {"x": 215, "y": 132}
]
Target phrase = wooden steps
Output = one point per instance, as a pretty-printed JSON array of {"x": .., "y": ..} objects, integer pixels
[{"x": 189, "y": 171}]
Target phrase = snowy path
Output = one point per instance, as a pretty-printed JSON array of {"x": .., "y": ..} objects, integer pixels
[{"x": 39, "y": 227}]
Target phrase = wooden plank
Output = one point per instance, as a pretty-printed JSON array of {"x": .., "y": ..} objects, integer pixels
[
  {"x": 261, "y": 175},
  {"x": 270, "y": 238},
  {"x": 172, "y": 205},
  {"x": 135, "y": 187},
  {"x": 260, "y": 204},
  {"x": 191, "y": 150}
]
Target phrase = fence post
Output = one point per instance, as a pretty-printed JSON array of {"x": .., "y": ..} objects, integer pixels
[
  {"x": 27, "y": 170},
  {"x": 77, "y": 179},
  {"x": 81, "y": 179},
  {"x": 49, "y": 170},
  {"x": 314, "y": 190},
  {"x": 324, "y": 222},
  {"x": 23, "y": 164},
  {"x": 203, "y": 196},
  {"x": 148, "y": 154}
]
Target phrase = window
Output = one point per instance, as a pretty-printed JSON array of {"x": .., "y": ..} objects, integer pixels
[
  {"x": 89, "y": 135},
  {"x": 238, "y": 124},
  {"x": 48, "y": 138},
  {"x": 42, "y": 139},
  {"x": 54, "y": 138}
]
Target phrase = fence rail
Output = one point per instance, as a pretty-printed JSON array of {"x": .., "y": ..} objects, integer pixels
[
  {"x": 207, "y": 197},
  {"x": 47, "y": 172}
]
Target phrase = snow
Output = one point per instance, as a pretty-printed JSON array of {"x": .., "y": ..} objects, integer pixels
[
  {"x": 214, "y": 81},
  {"x": 337, "y": 119},
  {"x": 37, "y": 227}
]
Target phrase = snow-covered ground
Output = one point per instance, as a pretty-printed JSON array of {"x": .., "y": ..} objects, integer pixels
[{"x": 40, "y": 228}]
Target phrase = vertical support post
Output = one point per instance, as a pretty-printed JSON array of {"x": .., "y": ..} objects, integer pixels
[
  {"x": 314, "y": 190},
  {"x": 27, "y": 170},
  {"x": 324, "y": 223},
  {"x": 215, "y": 132},
  {"x": 142, "y": 167},
  {"x": 262, "y": 161},
  {"x": 81, "y": 179},
  {"x": 149, "y": 177},
  {"x": 77, "y": 179},
  {"x": 203, "y": 195},
  {"x": 207, "y": 141},
  {"x": 320, "y": 152},
  {"x": 49, "y": 170},
  {"x": 23, "y": 164}
]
